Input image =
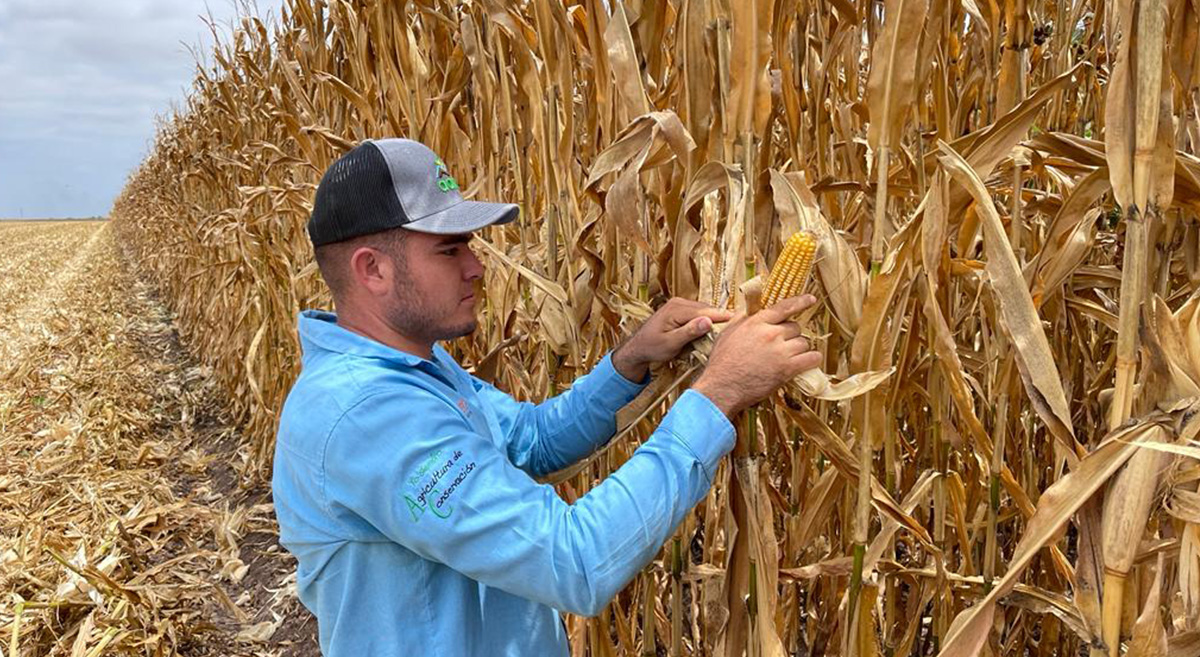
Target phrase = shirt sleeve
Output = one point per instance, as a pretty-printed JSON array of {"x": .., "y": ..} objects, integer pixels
[
  {"x": 425, "y": 480},
  {"x": 542, "y": 438}
]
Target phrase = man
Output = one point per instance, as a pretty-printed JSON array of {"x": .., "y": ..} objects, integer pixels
[{"x": 405, "y": 486}]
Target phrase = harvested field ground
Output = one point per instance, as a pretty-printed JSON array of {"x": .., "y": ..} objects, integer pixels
[{"x": 125, "y": 527}]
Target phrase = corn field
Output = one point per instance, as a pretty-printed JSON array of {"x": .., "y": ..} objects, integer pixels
[{"x": 1001, "y": 454}]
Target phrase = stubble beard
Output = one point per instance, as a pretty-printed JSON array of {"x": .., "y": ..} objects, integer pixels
[{"x": 411, "y": 315}]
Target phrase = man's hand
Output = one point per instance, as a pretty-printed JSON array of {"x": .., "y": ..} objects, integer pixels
[
  {"x": 755, "y": 355},
  {"x": 664, "y": 335}
]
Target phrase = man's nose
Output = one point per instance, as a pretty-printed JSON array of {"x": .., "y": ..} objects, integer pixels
[{"x": 474, "y": 268}]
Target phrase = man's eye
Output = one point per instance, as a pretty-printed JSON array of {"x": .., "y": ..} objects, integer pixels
[{"x": 450, "y": 252}]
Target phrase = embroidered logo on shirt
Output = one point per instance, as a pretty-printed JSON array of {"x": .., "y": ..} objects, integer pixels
[
  {"x": 462, "y": 406},
  {"x": 431, "y": 486}
]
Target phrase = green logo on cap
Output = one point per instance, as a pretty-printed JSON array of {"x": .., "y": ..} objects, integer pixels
[{"x": 445, "y": 181}]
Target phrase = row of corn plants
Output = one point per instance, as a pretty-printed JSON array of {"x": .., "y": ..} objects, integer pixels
[{"x": 999, "y": 454}]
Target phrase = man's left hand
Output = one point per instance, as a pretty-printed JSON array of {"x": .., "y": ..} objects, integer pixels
[{"x": 670, "y": 329}]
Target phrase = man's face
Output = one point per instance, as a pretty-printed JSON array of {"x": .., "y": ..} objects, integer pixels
[{"x": 434, "y": 294}]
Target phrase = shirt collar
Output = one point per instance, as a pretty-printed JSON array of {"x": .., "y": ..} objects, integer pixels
[{"x": 319, "y": 331}]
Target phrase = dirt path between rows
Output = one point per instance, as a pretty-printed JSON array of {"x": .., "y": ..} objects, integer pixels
[{"x": 125, "y": 527}]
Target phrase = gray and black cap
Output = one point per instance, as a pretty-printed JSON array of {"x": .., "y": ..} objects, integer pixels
[{"x": 392, "y": 183}]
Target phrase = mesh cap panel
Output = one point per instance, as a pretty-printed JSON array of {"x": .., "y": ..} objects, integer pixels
[{"x": 356, "y": 197}]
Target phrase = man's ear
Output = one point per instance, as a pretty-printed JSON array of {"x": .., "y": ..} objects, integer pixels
[{"x": 371, "y": 271}]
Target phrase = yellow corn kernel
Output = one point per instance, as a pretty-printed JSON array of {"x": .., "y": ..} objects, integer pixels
[{"x": 791, "y": 269}]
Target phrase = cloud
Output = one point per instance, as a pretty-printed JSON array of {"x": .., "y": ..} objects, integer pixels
[{"x": 83, "y": 84}]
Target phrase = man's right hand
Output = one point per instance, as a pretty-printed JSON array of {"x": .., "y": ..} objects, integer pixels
[{"x": 755, "y": 355}]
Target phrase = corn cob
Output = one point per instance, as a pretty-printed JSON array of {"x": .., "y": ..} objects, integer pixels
[{"x": 791, "y": 269}]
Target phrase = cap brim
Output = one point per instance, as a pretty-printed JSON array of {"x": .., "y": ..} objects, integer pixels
[{"x": 464, "y": 217}]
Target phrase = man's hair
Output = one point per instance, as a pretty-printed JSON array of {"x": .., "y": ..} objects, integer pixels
[{"x": 334, "y": 259}]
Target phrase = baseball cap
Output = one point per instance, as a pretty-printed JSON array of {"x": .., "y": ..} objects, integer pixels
[{"x": 392, "y": 183}]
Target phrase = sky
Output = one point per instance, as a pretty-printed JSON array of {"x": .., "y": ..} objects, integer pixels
[{"x": 81, "y": 85}]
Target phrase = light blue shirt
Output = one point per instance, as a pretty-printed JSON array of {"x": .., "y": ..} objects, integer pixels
[{"x": 404, "y": 487}]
